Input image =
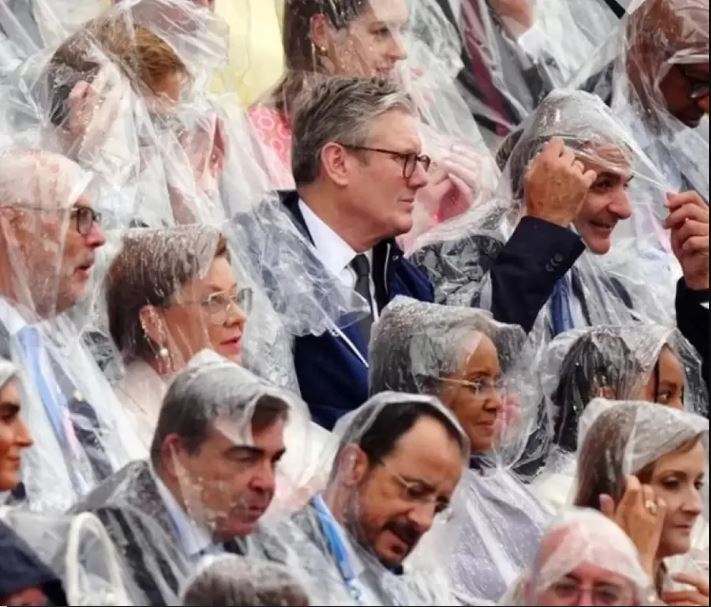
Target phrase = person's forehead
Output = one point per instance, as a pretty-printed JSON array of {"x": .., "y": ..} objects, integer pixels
[
  {"x": 396, "y": 128},
  {"x": 427, "y": 452},
  {"x": 692, "y": 460},
  {"x": 393, "y": 12},
  {"x": 588, "y": 572}
]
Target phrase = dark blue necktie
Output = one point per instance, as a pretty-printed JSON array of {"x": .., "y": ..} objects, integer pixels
[{"x": 560, "y": 307}]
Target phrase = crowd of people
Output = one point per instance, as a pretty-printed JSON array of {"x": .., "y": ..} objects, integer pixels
[{"x": 427, "y": 323}]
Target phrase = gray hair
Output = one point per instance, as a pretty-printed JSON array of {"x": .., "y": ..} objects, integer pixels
[
  {"x": 235, "y": 580},
  {"x": 343, "y": 110}
]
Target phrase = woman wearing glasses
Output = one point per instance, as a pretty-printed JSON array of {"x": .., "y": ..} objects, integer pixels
[
  {"x": 171, "y": 293},
  {"x": 461, "y": 356}
]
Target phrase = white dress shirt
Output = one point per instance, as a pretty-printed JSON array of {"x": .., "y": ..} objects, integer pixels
[{"x": 335, "y": 253}]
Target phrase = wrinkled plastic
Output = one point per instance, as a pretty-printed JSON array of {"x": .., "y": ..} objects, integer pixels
[
  {"x": 657, "y": 42},
  {"x": 7, "y": 372},
  {"x": 583, "y": 537},
  {"x": 459, "y": 254},
  {"x": 419, "y": 348},
  {"x": 415, "y": 46},
  {"x": 518, "y": 52},
  {"x": 155, "y": 555},
  {"x": 78, "y": 549},
  {"x": 648, "y": 433}
]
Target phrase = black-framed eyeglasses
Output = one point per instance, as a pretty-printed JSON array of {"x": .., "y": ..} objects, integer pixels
[
  {"x": 410, "y": 159},
  {"x": 698, "y": 87},
  {"x": 84, "y": 217},
  {"x": 218, "y": 305}
]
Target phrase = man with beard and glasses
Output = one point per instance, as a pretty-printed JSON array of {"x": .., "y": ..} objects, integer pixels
[
  {"x": 398, "y": 462},
  {"x": 210, "y": 478}
]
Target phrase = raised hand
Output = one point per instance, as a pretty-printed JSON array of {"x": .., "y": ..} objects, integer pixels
[
  {"x": 557, "y": 184},
  {"x": 689, "y": 224}
]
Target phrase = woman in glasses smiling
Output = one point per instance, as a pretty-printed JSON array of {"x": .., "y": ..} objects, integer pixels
[
  {"x": 461, "y": 356},
  {"x": 170, "y": 294}
]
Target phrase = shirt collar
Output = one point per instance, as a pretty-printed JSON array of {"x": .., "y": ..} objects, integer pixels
[
  {"x": 355, "y": 564},
  {"x": 193, "y": 538},
  {"x": 334, "y": 252}
]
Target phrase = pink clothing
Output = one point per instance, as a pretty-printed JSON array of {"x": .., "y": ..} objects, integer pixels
[{"x": 274, "y": 133}]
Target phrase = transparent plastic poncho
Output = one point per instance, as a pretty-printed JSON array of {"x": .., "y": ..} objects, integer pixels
[
  {"x": 646, "y": 73},
  {"x": 632, "y": 282},
  {"x": 427, "y": 349},
  {"x": 156, "y": 553},
  {"x": 579, "y": 537}
]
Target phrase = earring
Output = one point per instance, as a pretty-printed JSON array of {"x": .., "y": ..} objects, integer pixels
[{"x": 164, "y": 354}]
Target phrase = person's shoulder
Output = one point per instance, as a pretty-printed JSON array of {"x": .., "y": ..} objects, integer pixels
[{"x": 132, "y": 482}]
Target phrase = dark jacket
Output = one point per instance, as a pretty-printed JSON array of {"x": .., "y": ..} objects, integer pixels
[
  {"x": 21, "y": 569},
  {"x": 134, "y": 514},
  {"x": 693, "y": 321},
  {"x": 332, "y": 377}
]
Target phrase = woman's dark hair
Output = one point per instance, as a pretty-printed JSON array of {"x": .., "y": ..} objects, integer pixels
[
  {"x": 151, "y": 267},
  {"x": 300, "y": 54},
  {"x": 599, "y": 363}
]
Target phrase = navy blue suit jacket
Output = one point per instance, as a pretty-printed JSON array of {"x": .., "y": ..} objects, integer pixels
[{"x": 332, "y": 375}]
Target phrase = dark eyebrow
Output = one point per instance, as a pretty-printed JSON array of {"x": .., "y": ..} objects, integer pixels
[
  {"x": 244, "y": 450},
  {"x": 279, "y": 455}
]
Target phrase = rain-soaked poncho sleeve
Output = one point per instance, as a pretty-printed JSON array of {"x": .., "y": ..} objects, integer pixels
[{"x": 484, "y": 258}]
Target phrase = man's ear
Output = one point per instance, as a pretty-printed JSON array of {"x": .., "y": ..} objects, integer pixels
[
  {"x": 170, "y": 452},
  {"x": 335, "y": 163},
  {"x": 353, "y": 465}
]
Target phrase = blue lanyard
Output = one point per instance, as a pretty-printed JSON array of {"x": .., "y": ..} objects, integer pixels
[{"x": 337, "y": 546}]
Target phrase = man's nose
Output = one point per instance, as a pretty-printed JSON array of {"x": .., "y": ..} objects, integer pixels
[
  {"x": 264, "y": 479},
  {"x": 398, "y": 52},
  {"x": 704, "y": 103},
  {"x": 96, "y": 237},
  {"x": 418, "y": 179},
  {"x": 422, "y": 516},
  {"x": 620, "y": 205}
]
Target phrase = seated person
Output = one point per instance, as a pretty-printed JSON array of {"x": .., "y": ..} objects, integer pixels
[
  {"x": 466, "y": 359},
  {"x": 170, "y": 293},
  {"x": 24, "y": 578},
  {"x": 645, "y": 467},
  {"x": 396, "y": 468},
  {"x": 568, "y": 182},
  {"x": 358, "y": 166},
  {"x": 210, "y": 478},
  {"x": 584, "y": 559},
  {"x": 230, "y": 580},
  {"x": 82, "y": 434},
  {"x": 644, "y": 362}
]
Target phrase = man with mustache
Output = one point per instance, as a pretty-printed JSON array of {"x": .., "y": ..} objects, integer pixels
[
  {"x": 398, "y": 463},
  {"x": 49, "y": 236},
  {"x": 209, "y": 480}
]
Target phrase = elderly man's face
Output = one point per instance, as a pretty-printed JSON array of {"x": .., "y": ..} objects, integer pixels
[
  {"x": 607, "y": 201},
  {"x": 49, "y": 231},
  {"x": 378, "y": 192},
  {"x": 588, "y": 584},
  {"x": 686, "y": 92},
  {"x": 52, "y": 252},
  {"x": 400, "y": 496}
]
